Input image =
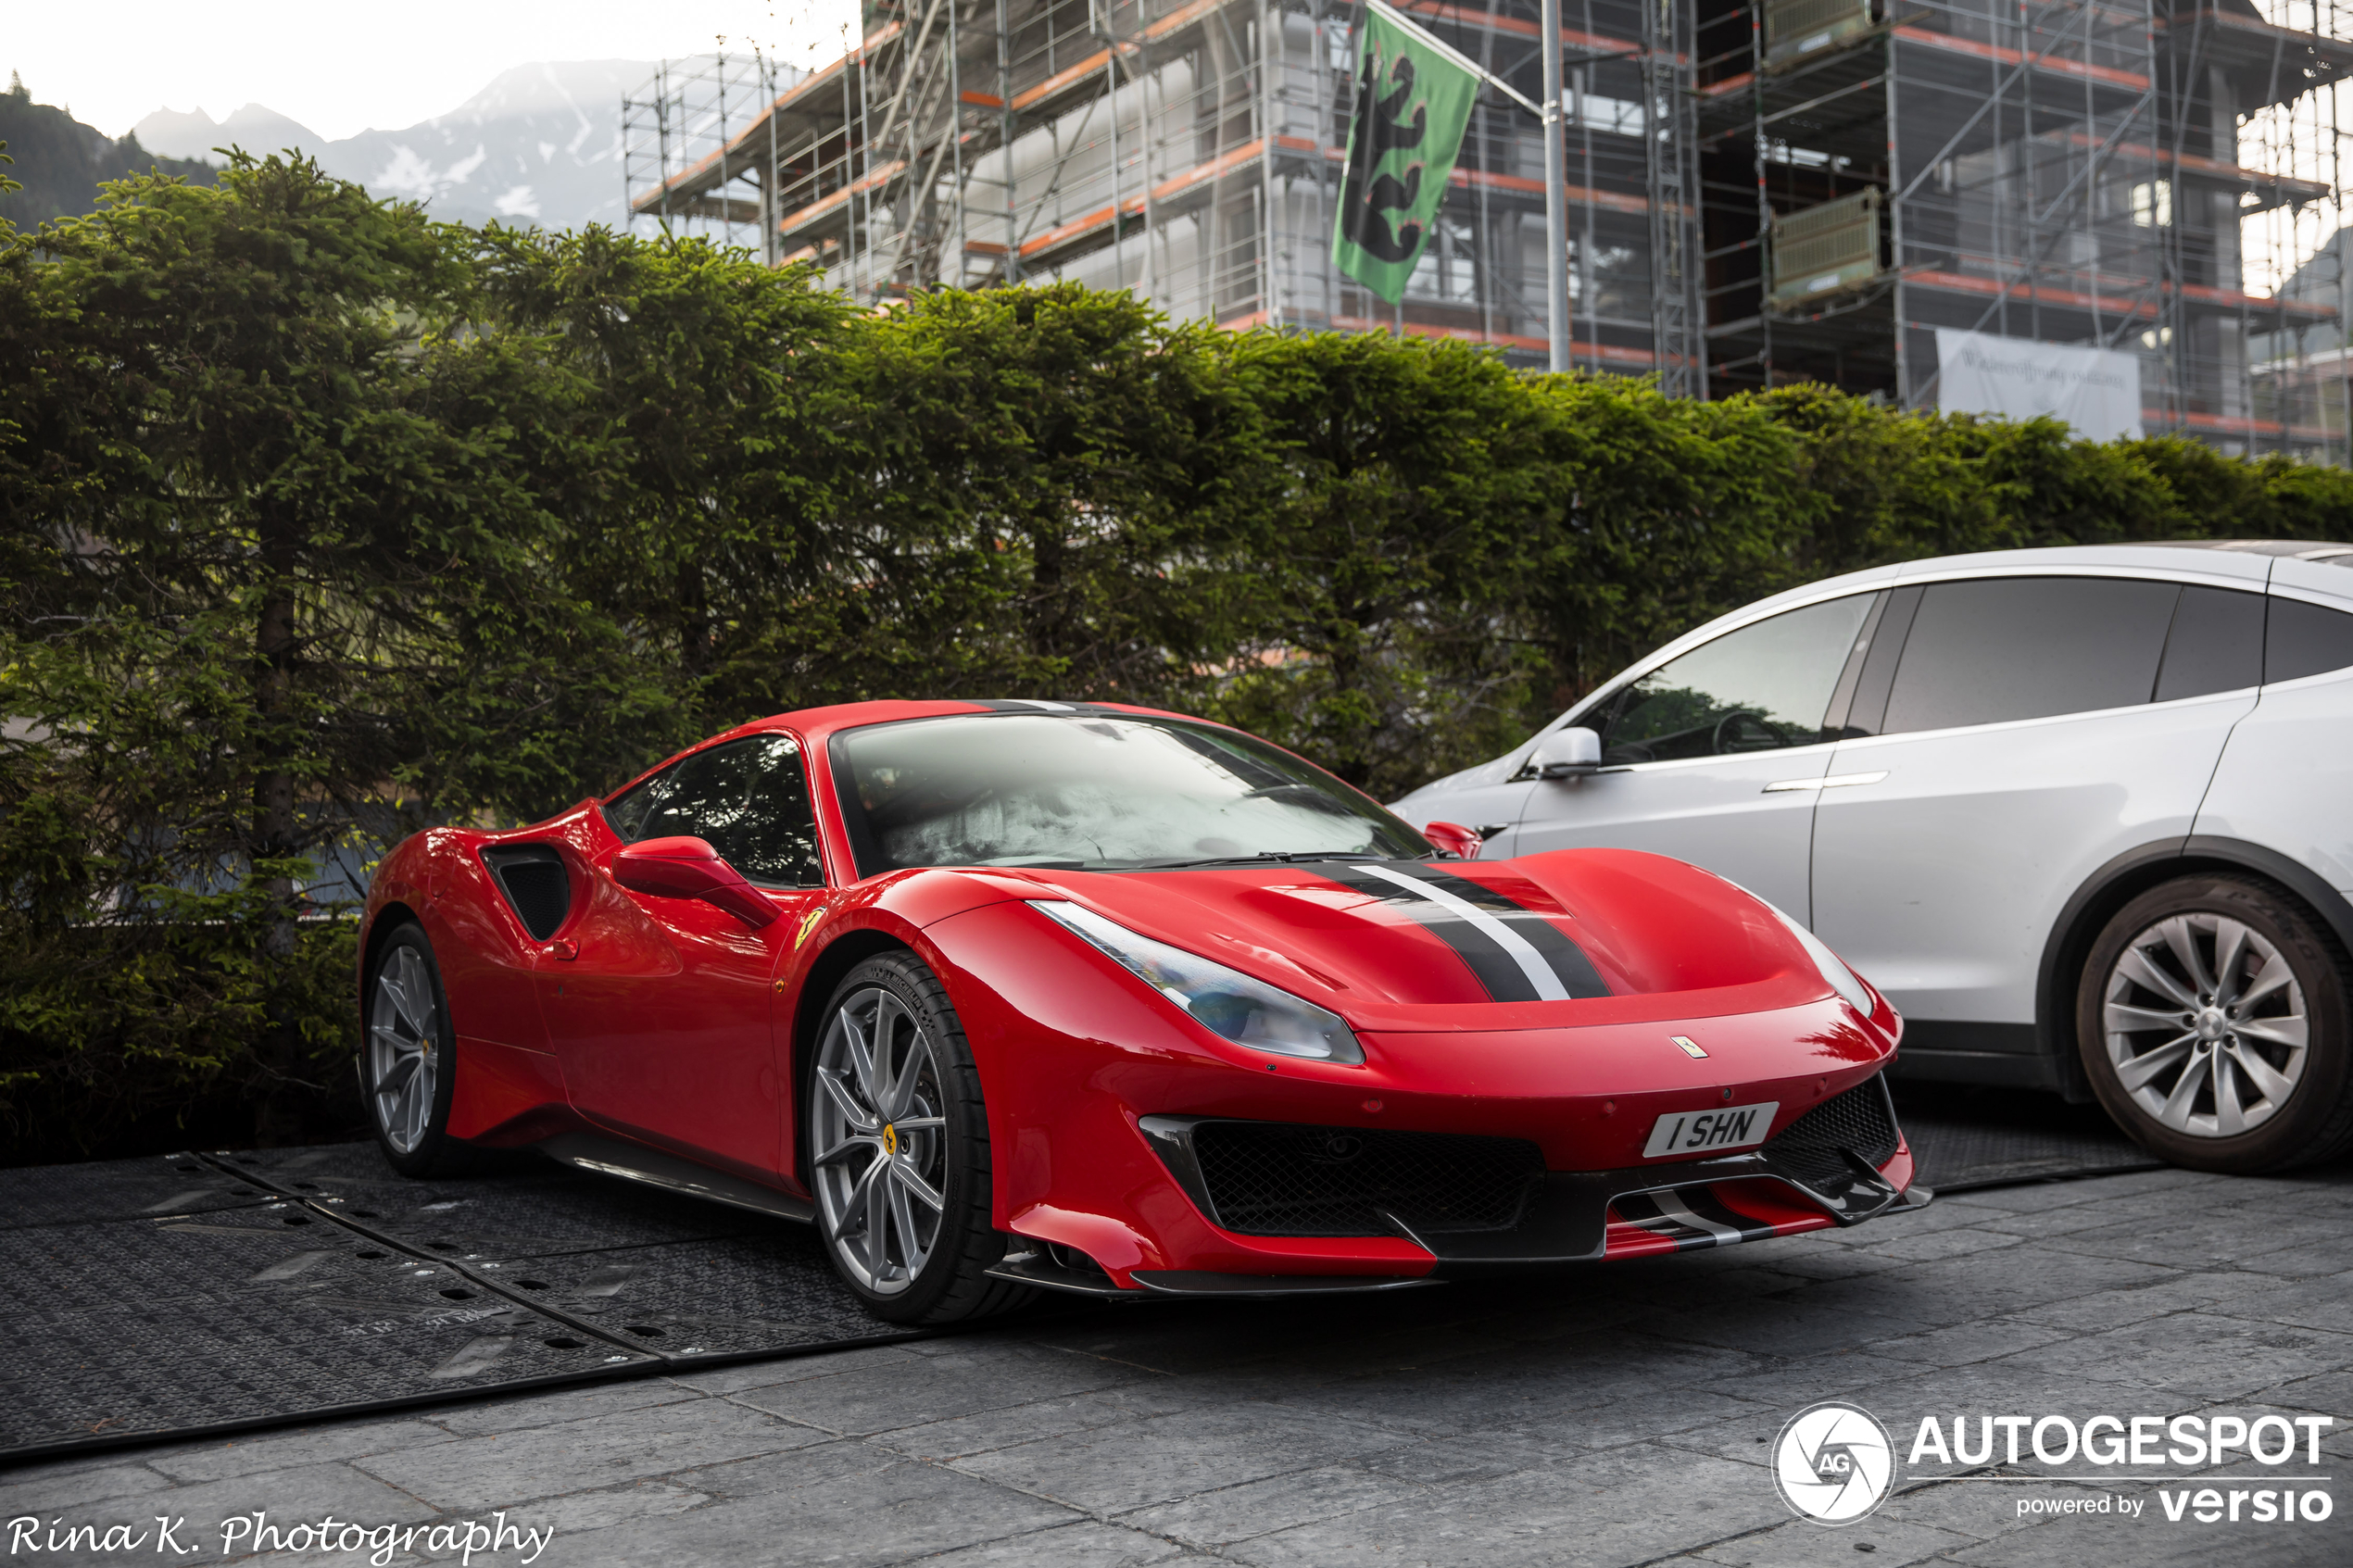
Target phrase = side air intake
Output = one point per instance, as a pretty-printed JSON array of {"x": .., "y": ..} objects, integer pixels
[{"x": 537, "y": 886}]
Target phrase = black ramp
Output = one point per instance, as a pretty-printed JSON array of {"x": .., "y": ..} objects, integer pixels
[
  {"x": 535, "y": 1209},
  {"x": 171, "y": 1297},
  {"x": 206, "y": 1293},
  {"x": 658, "y": 1270},
  {"x": 767, "y": 1293},
  {"x": 120, "y": 1189},
  {"x": 1964, "y": 1137},
  {"x": 145, "y": 1327}
]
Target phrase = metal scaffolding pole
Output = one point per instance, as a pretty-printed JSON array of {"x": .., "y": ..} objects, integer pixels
[{"x": 1548, "y": 29}]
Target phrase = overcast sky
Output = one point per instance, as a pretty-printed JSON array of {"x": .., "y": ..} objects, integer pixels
[{"x": 341, "y": 67}]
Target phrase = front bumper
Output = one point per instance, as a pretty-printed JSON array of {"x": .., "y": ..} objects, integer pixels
[{"x": 1852, "y": 1167}]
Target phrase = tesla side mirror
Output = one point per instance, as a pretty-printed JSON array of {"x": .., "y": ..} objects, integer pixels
[
  {"x": 690, "y": 868},
  {"x": 1454, "y": 839},
  {"x": 1566, "y": 754}
]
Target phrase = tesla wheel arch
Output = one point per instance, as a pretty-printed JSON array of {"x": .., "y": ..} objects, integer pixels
[
  {"x": 2212, "y": 1023},
  {"x": 899, "y": 1148}
]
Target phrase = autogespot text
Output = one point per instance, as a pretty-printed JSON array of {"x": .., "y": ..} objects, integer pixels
[{"x": 2146, "y": 1449}]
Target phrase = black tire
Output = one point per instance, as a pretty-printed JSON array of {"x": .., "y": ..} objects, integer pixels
[
  {"x": 2217, "y": 1052},
  {"x": 897, "y": 999},
  {"x": 414, "y": 1136}
]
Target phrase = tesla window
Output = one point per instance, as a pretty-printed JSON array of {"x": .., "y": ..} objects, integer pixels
[
  {"x": 2029, "y": 647},
  {"x": 1760, "y": 688},
  {"x": 748, "y": 799},
  {"x": 2216, "y": 643},
  {"x": 2307, "y": 639},
  {"x": 1083, "y": 790}
]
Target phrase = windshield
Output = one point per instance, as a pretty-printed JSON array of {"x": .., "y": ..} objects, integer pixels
[{"x": 1094, "y": 792}]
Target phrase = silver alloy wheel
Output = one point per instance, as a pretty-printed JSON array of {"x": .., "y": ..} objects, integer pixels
[
  {"x": 2206, "y": 1024},
  {"x": 402, "y": 1049},
  {"x": 880, "y": 1141}
]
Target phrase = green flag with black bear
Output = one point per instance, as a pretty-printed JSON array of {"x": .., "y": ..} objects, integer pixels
[{"x": 1413, "y": 104}]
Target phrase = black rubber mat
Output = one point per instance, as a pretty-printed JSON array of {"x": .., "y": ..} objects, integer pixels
[
  {"x": 537, "y": 1209},
  {"x": 192, "y": 1294},
  {"x": 671, "y": 1273},
  {"x": 171, "y": 1297},
  {"x": 1966, "y": 1137},
  {"x": 143, "y": 1327},
  {"x": 120, "y": 1189}
]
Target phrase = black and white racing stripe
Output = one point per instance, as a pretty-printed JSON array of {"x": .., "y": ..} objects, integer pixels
[
  {"x": 1029, "y": 705},
  {"x": 1518, "y": 954},
  {"x": 1690, "y": 1217}
]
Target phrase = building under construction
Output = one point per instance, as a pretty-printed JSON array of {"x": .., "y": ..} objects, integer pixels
[{"x": 1757, "y": 193}]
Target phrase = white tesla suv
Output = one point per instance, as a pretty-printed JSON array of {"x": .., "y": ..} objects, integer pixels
[{"x": 2085, "y": 814}]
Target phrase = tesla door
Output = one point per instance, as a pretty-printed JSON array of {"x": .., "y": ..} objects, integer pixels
[
  {"x": 1716, "y": 757},
  {"x": 2009, "y": 736},
  {"x": 663, "y": 1018},
  {"x": 2287, "y": 775}
]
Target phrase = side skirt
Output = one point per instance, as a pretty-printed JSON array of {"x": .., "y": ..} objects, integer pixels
[{"x": 637, "y": 1163}]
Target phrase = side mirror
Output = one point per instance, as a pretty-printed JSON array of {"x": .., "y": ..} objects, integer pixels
[
  {"x": 1568, "y": 754},
  {"x": 1456, "y": 839},
  {"x": 690, "y": 868}
]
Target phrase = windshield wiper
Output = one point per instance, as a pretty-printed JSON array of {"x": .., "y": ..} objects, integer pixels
[{"x": 1280, "y": 856}]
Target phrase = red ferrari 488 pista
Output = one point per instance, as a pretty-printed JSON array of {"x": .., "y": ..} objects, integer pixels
[{"x": 1015, "y": 994}]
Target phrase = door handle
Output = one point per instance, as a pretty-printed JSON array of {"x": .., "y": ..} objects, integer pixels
[{"x": 1835, "y": 781}]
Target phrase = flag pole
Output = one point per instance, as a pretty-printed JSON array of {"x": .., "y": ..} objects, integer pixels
[
  {"x": 1556, "y": 191},
  {"x": 1555, "y": 154},
  {"x": 1463, "y": 62}
]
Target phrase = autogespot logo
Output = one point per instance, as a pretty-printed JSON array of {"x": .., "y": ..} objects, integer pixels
[{"x": 1833, "y": 1462}]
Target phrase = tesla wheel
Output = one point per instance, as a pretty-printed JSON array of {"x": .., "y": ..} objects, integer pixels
[
  {"x": 408, "y": 1062},
  {"x": 2212, "y": 1024},
  {"x": 899, "y": 1149}
]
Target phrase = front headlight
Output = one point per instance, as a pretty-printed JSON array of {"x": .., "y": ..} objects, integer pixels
[{"x": 1225, "y": 1001}]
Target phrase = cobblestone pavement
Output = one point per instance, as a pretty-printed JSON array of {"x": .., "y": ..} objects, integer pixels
[{"x": 1619, "y": 1416}]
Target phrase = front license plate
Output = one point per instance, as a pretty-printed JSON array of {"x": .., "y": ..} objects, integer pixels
[{"x": 1692, "y": 1131}]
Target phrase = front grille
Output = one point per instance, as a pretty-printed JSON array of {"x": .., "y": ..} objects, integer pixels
[
  {"x": 1860, "y": 1120},
  {"x": 1270, "y": 1178}
]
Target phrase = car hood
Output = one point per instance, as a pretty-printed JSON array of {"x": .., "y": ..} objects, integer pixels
[{"x": 1576, "y": 936}]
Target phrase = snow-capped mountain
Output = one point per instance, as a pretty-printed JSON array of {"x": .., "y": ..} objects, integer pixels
[
  {"x": 540, "y": 144},
  {"x": 254, "y": 128}
]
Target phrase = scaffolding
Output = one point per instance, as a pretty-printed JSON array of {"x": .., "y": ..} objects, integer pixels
[
  {"x": 1757, "y": 193},
  {"x": 2116, "y": 174},
  {"x": 700, "y": 139}
]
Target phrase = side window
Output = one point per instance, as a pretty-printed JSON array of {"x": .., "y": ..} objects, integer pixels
[
  {"x": 628, "y": 812},
  {"x": 2306, "y": 639},
  {"x": 1760, "y": 688},
  {"x": 2216, "y": 643},
  {"x": 2028, "y": 648},
  {"x": 748, "y": 799}
]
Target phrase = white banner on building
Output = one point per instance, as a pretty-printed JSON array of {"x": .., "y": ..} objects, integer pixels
[{"x": 2094, "y": 390}]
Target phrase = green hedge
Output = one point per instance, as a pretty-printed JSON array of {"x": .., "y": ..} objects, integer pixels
[{"x": 324, "y": 520}]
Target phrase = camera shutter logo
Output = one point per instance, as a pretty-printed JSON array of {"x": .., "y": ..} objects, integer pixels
[{"x": 1833, "y": 1463}]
